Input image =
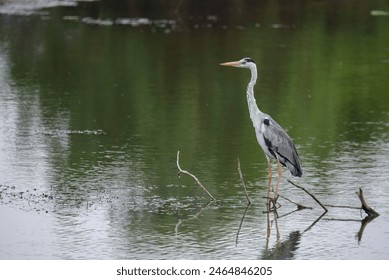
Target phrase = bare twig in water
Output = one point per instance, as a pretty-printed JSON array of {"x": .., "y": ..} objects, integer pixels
[
  {"x": 368, "y": 210},
  {"x": 299, "y": 206},
  {"x": 193, "y": 176},
  {"x": 244, "y": 185},
  {"x": 311, "y": 195},
  {"x": 342, "y": 206}
]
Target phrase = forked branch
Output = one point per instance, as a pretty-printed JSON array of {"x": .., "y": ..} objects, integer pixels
[
  {"x": 368, "y": 210},
  {"x": 311, "y": 195},
  {"x": 191, "y": 175}
]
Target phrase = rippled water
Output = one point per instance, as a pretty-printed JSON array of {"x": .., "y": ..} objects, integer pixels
[{"x": 97, "y": 99}]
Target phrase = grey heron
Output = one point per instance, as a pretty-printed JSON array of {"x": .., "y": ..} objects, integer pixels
[{"x": 273, "y": 139}]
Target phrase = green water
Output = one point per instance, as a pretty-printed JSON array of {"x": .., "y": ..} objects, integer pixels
[{"x": 98, "y": 97}]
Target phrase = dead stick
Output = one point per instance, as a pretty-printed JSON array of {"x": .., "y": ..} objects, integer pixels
[
  {"x": 244, "y": 185},
  {"x": 342, "y": 206},
  {"x": 311, "y": 195},
  {"x": 299, "y": 206},
  {"x": 193, "y": 176},
  {"x": 369, "y": 211}
]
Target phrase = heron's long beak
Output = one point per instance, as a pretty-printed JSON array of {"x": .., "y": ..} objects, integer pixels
[{"x": 232, "y": 63}]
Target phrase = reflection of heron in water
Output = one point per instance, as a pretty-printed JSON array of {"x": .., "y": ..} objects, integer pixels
[
  {"x": 272, "y": 138},
  {"x": 284, "y": 250}
]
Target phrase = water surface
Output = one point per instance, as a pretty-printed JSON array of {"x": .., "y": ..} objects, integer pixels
[{"x": 98, "y": 98}]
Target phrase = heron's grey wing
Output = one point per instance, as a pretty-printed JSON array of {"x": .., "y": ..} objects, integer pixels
[{"x": 281, "y": 145}]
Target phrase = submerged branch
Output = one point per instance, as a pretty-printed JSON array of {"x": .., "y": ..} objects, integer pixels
[
  {"x": 299, "y": 206},
  {"x": 342, "y": 206},
  {"x": 365, "y": 207},
  {"x": 368, "y": 210},
  {"x": 193, "y": 176}
]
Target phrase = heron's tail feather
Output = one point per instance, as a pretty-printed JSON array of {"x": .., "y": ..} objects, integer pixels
[
  {"x": 295, "y": 170},
  {"x": 293, "y": 165}
]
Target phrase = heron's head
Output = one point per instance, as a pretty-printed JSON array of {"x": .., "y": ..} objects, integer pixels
[{"x": 243, "y": 63}]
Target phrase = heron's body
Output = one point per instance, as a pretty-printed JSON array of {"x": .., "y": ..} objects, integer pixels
[
  {"x": 273, "y": 139},
  {"x": 277, "y": 145}
]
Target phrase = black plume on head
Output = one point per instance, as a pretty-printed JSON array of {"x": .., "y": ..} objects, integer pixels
[{"x": 247, "y": 59}]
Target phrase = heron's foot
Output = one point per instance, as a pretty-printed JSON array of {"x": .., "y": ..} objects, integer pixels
[{"x": 272, "y": 203}]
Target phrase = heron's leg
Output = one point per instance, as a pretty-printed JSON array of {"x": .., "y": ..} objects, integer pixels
[
  {"x": 278, "y": 180},
  {"x": 269, "y": 175}
]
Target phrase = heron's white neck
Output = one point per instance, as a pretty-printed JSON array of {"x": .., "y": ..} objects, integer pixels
[{"x": 255, "y": 113}]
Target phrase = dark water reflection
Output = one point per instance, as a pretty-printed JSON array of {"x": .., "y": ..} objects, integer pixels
[{"x": 98, "y": 97}]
